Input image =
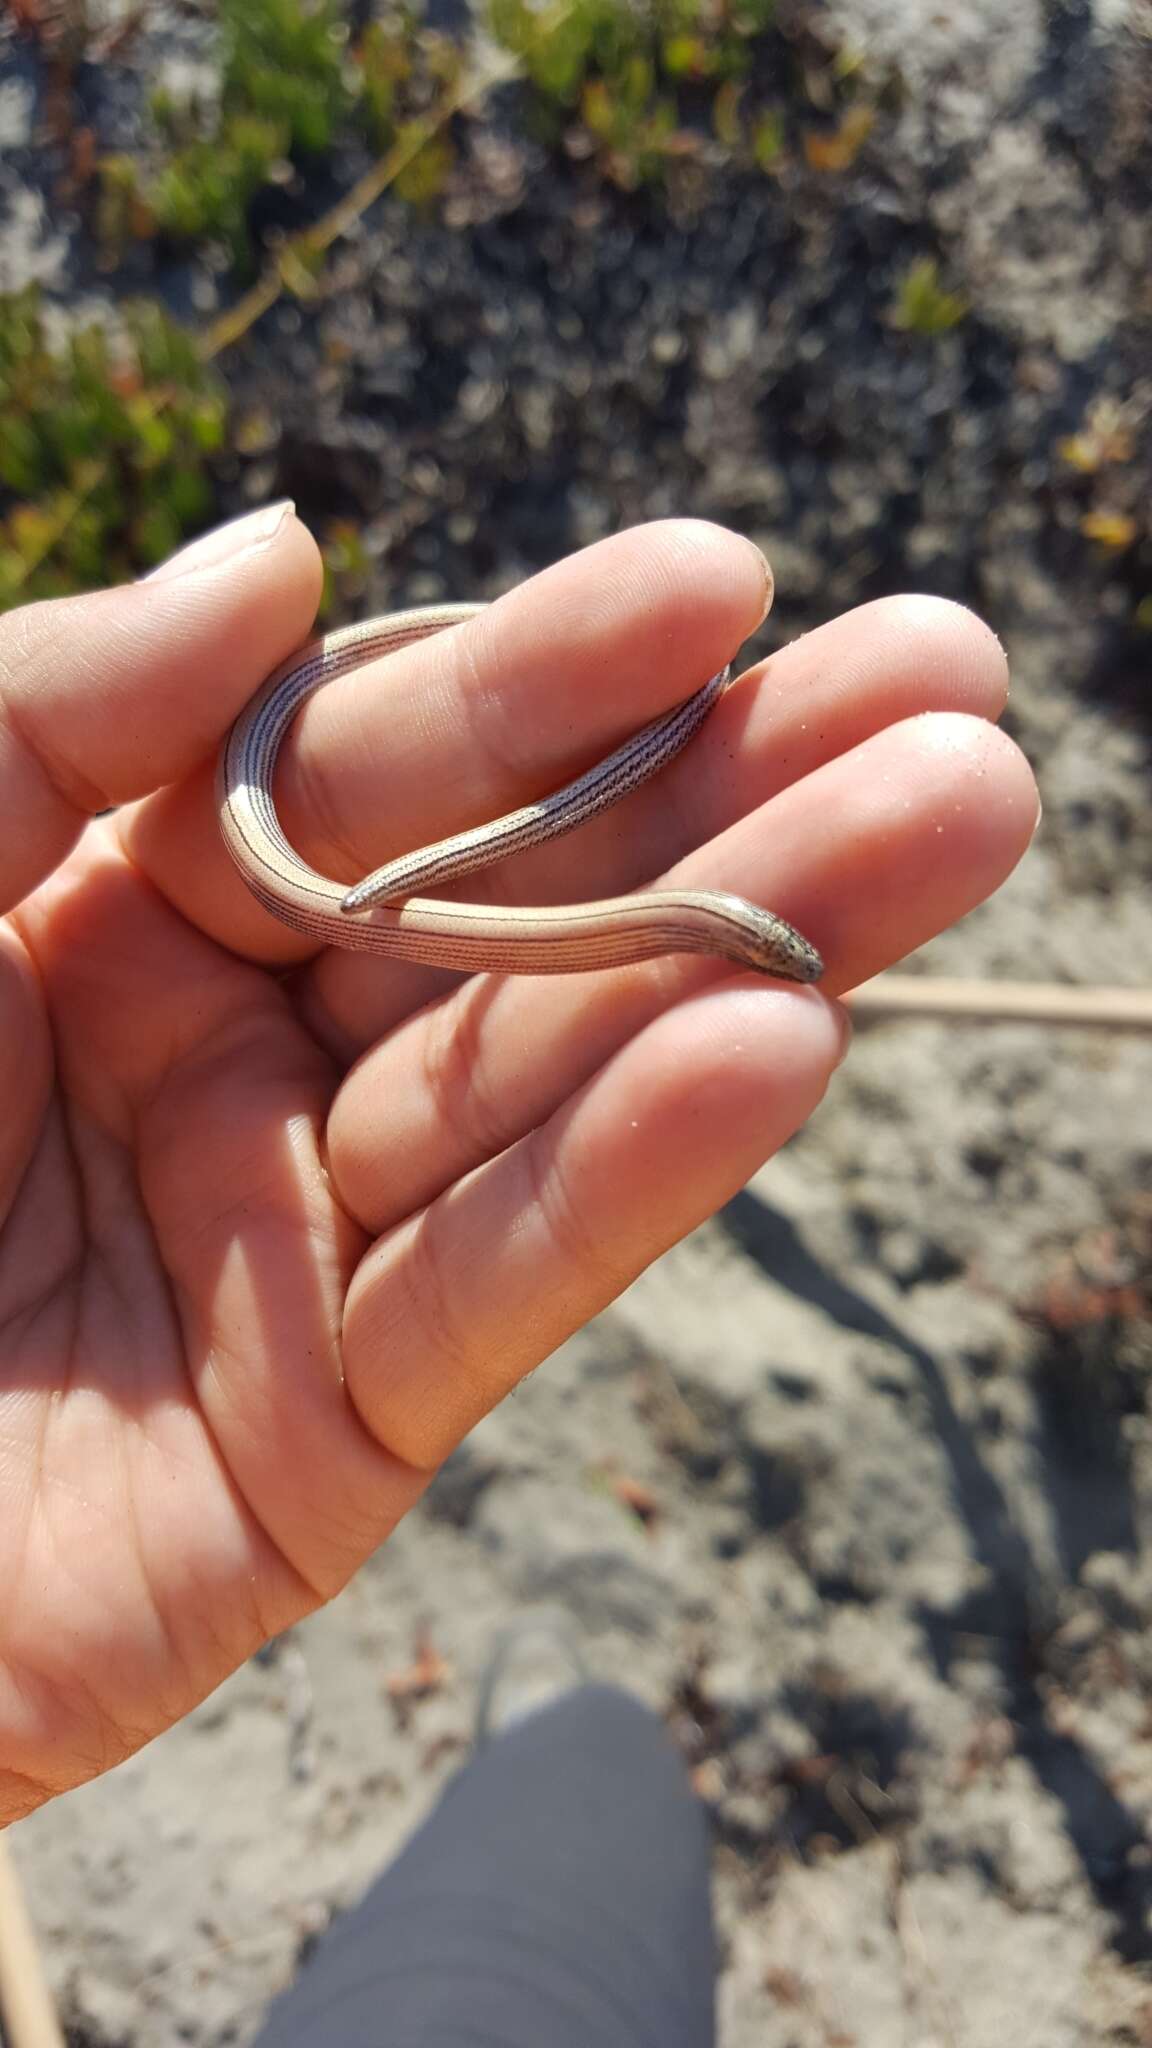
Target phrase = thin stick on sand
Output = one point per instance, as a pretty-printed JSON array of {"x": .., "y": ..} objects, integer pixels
[
  {"x": 26, "y": 2006},
  {"x": 1023, "y": 1002}
]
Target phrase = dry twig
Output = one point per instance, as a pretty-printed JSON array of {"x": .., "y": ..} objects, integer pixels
[
  {"x": 1022, "y": 1002},
  {"x": 26, "y": 2005}
]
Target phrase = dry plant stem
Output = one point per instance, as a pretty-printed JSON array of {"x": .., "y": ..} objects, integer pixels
[
  {"x": 1023, "y": 1002},
  {"x": 25, "y": 2001},
  {"x": 318, "y": 239},
  {"x": 233, "y": 324}
]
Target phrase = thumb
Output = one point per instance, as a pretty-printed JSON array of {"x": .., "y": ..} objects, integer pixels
[{"x": 110, "y": 695}]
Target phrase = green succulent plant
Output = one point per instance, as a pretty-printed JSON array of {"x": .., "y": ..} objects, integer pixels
[{"x": 105, "y": 440}]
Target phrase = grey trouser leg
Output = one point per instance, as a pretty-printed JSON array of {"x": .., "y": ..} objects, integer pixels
[{"x": 557, "y": 1897}]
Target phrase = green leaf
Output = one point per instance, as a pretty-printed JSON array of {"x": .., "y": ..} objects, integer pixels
[
  {"x": 922, "y": 306},
  {"x": 21, "y": 460},
  {"x": 422, "y": 181},
  {"x": 768, "y": 135}
]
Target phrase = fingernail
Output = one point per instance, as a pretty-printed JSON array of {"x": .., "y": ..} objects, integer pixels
[
  {"x": 226, "y": 543},
  {"x": 847, "y": 1031},
  {"x": 769, "y": 584}
]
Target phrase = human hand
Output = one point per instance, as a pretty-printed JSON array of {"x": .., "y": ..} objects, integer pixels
[{"x": 279, "y": 1227}]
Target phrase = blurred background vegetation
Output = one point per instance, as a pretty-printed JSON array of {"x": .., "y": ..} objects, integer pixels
[{"x": 251, "y": 200}]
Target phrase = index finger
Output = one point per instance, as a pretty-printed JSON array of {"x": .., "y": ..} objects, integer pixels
[{"x": 459, "y": 728}]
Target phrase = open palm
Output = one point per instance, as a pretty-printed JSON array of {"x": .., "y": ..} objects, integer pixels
[{"x": 279, "y": 1226}]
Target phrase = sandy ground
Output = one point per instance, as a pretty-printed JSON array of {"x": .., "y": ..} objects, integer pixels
[{"x": 889, "y": 1410}]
